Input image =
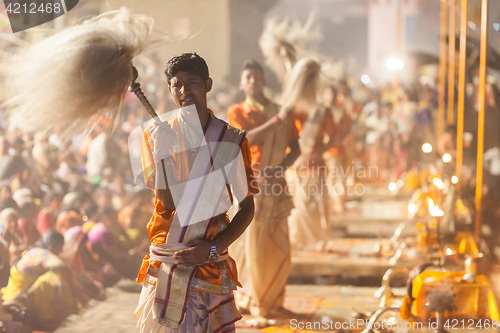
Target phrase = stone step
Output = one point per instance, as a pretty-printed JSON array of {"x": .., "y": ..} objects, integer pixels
[
  {"x": 370, "y": 218},
  {"x": 347, "y": 257},
  {"x": 367, "y": 228},
  {"x": 342, "y": 266},
  {"x": 374, "y": 192}
]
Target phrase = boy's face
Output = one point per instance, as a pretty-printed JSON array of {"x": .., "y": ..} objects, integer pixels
[
  {"x": 188, "y": 89},
  {"x": 252, "y": 82}
]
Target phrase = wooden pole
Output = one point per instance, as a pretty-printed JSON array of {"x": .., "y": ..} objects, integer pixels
[
  {"x": 395, "y": 97},
  {"x": 461, "y": 89},
  {"x": 480, "y": 126},
  {"x": 442, "y": 69},
  {"x": 451, "y": 64}
]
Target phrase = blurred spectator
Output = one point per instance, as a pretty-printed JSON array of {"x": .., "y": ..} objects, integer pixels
[
  {"x": 106, "y": 249},
  {"x": 447, "y": 142},
  {"x": 404, "y": 114},
  {"x": 76, "y": 200},
  {"x": 492, "y": 167},
  {"x": 4, "y": 146},
  {"x": 46, "y": 217},
  {"x": 103, "y": 152},
  {"x": 130, "y": 123},
  {"x": 5, "y": 191},
  {"x": 45, "y": 156},
  {"x": 103, "y": 197},
  {"x": 12, "y": 166},
  {"x": 34, "y": 180},
  {"x": 11, "y": 234},
  {"x": 22, "y": 194},
  {"x": 109, "y": 217},
  {"x": 9, "y": 203},
  {"x": 27, "y": 222},
  {"x": 136, "y": 209},
  {"x": 68, "y": 219},
  {"x": 85, "y": 268},
  {"x": 44, "y": 283},
  {"x": 4, "y": 263},
  {"x": 399, "y": 159},
  {"x": 120, "y": 191},
  {"x": 377, "y": 124}
]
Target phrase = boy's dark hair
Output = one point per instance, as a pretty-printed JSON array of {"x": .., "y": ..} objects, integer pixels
[
  {"x": 251, "y": 64},
  {"x": 189, "y": 62}
]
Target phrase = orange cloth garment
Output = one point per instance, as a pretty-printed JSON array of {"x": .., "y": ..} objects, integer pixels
[
  {"x": 327, "y": 128},
  {"x": 264, "y": 284},
  {"x": 248, "y": 115},
  {"x": 341, "y": 130},
  {"x": 159, "y": 225}
]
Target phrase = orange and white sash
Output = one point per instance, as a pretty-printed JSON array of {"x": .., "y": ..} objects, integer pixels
[{"x": 175, "y": 281}]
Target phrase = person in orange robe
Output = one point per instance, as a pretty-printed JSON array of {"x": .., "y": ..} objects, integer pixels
[
  {"x": 308, "y": 222},
  {"x": 271, "y": 132},
  {"x": 338, "y": 158},
  {"x": 188, "y": 275}
]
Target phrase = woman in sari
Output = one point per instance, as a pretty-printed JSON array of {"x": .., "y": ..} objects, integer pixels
[
  {"x": 43, "y": 283},
  {"x": 86, "y": 270},
  {"x": 108, "y": 244}
]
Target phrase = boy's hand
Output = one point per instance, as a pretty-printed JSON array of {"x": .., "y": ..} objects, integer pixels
[
  {"x": 163, "y": 138},
  {"x": 196, "y": 254}
]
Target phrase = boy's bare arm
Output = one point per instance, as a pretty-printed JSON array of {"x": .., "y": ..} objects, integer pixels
[
  {"x": 165, "y": 198},
  {"x": 199, "y": 249},
  {"x": 237, "y": 226},
  {"x": 258, "y": 135}
]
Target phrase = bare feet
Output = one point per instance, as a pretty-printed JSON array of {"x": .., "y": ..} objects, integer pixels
[
  {"x": 259, "y": 322},
  {"x": 281, "y": 312}
]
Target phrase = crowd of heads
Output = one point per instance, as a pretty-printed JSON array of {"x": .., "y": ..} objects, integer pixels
[{"x": 77, "y": 201}]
